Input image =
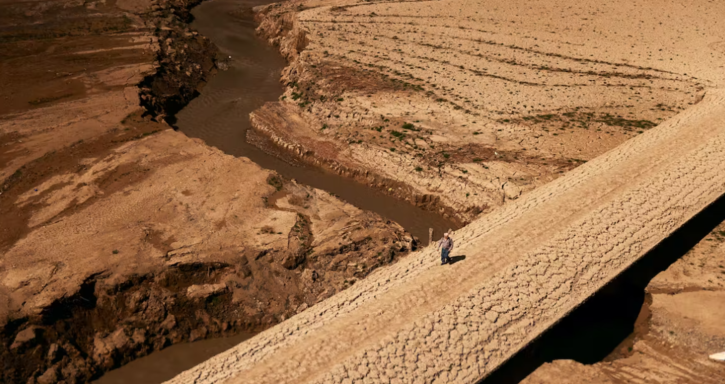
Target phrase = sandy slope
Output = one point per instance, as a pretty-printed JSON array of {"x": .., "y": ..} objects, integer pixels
[
  {"x": 471, "y": 104},
  {"x": 527, "y": 265}
]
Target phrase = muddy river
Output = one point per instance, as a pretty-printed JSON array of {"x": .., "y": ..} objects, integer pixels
[
  {"x": 220, "y": 117},
  {"x": 167, "y": 363}
]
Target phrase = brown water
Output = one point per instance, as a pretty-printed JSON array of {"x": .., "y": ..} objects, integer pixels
[
  {"x": 220, "y": 115},
  {"x": 167, "y": 363}
]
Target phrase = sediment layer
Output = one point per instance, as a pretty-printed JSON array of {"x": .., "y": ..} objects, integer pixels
[{"x": 469, "y": 106}]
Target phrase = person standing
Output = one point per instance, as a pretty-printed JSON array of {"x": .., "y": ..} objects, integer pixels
[{"x": 446, "y": 245}]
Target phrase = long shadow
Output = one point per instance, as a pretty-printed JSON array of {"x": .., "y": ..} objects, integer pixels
[
  {"x": 455, "y": 259},
  {"x": 595, "y": 329}
]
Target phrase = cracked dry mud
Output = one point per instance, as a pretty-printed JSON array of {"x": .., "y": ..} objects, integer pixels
[{"x": 527, "y": 265}]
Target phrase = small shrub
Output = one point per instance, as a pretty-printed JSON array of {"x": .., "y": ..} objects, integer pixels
[{"x": 275, "y": 181}]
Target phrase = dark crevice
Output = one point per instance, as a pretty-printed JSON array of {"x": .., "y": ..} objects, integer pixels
[
  {"x": 596, "y": 328},
  {"x": 187, "y": 61},
  {"x": 63, "y": 309}
]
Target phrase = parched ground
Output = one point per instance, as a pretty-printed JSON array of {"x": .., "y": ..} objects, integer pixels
[
  {"x": 120, "y": 236},
  {"x": 520, "y": 270},
  {"x": 462, "y": 106},
  {"x": 679, "y": 327},
  {"x": 66, "y": 76}
]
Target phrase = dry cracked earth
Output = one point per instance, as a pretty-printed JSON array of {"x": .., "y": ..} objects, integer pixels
[
  {"x": 573, "y": 136},
  {"x": 461, "y": 107}
]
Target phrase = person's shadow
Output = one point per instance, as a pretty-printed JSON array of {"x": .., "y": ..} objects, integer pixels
[{"x": 455, "y": 259}]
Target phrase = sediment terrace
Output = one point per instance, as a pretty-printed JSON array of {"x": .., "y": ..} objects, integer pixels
[
  {"x": 460, "y": 106},
  {"x": 526, "y": 266}
]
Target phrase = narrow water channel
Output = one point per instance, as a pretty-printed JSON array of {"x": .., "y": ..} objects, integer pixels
[
  {"x": 165, "y": 364},
  {"x": 220, "y": 117}
]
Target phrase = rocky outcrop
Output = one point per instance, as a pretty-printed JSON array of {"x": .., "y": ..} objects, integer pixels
[
  {"x": 185, "y": 61},
  {"x": 204, "y": 291}
]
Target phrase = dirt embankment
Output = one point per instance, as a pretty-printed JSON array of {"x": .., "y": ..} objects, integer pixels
[
  {"x": 121, "y": 236},
  {"x": 461, "y": 112},
  {"x": 185, "y": 61},
  {"x": 162, "y": 240}
]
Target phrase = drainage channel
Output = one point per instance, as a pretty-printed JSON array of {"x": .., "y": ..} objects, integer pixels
[{"x": 220, "y": 114}]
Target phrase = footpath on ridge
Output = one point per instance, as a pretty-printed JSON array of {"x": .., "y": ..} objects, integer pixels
[{"x": 521, "y": 269}]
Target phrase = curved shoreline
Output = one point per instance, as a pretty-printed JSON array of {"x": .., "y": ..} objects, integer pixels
[{"x": 220, "y": 115}]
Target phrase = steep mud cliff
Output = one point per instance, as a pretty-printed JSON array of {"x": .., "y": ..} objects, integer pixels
[{"x": 185, "y": 61}]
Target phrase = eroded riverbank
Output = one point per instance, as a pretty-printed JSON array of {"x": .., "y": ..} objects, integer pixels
[{"x": 220, "y": 114}]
